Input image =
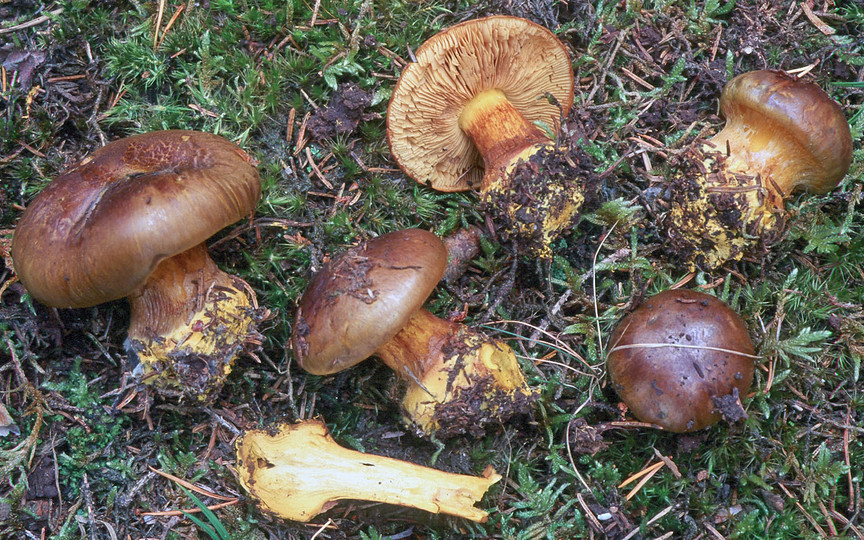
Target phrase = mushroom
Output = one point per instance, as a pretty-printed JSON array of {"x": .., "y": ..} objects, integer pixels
[
  {"x": 368, "y": 300},
  {"x": 462, "y": 246},
  {"x": 130, "y": 220},
  {"x": 467, "y": 114},
  {"x": 297, "y": 471},
  {"x": 682, "y": 360},
  {"x": 782, "y": 134}
]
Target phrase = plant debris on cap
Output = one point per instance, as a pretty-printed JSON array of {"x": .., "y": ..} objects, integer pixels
[{"x": 681, "y": 360}]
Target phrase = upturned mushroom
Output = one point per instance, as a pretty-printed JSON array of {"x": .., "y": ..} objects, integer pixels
[
  {"x": 131, "y": 220},
  {"x": 368, "y": 301},
  {"x": 297, "y": 471},
  {"x": 782, "y": 134},
  {"x": 682, "y": 361},
  {"x": 468, "y": 114}
]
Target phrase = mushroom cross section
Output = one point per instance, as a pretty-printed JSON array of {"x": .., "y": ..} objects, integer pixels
[
  {"x": 297, "y": 471},
  {"x": 130, "y": 220},
  {"x": 368, "y": 300}
]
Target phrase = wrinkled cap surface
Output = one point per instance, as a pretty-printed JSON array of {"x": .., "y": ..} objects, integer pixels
[
  {"x": 363, "y": 297},
  {"x": 814, "y": 121},
  {"x": 674, "y": 353},
  {"x": 96, "y": 232},
  {"x": 518, "y": 57}
]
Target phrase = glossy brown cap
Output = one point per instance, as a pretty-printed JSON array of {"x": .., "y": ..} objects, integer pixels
[
  {"x": 673, "y": 386},
  {"x": 363, "y": 297},
  {"x": 814, "y": 123},
  {"x": 97, "y": 231},
  {"x": 518, "y": 57}
]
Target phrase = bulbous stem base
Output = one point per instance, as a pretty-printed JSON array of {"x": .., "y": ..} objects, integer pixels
[
  {"x": 189, "y": 322},
  {"x": 458, "y": 379}
]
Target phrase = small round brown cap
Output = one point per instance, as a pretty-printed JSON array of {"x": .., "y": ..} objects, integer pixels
[
  {"x": 97, "y": 231},
  {"x": 674, "y": 354},
  {"x": 522, "y": 59},
  {"x": 363, "y": 297},
  {"x": 821, "y": 140}
]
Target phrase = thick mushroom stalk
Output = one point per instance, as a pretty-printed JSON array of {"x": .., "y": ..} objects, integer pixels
[
  {"x": 130, "y": 220},
  {"x": 189, "y": 320},
  {"x": 368, "y": 301},
  {"x": 533, "y": 211},
  {"x": 457, "y": 379},
  {"x": 297, "y": 471},
  {"x": 466, "y": 115},
  {"x": 781, "y": 135}
]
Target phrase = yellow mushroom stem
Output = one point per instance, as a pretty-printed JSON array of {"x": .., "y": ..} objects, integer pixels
[
  {"x": 189, "y": 321},
  {"x": 454, "y": 374},
  {"x": 537, "y": 211},
  {"x": 734, "y": 191},
  {"x": 297, "y": 471},
  {"x": 500, "y": 132}
]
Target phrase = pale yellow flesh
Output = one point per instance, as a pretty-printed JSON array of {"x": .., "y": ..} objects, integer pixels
[{"x": 297, "y": 471}]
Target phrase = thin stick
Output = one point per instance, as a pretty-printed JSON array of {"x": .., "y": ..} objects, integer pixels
[
  {"x": 650, "y": 522},
  {"x": 314, "y": 13},
  {"x": 662, "y": 345},
  {"x": 570, "y": 455},
  {"x": 189, "y": 485},
  {"x": 167, "y": 513},
  {"x": 557, "y": 345},
  {"x": 170, "y": 23},
  {"x": 160, "y": 11},
  {"x": 34, "y": 22},
  {"x": 322, "y": 529},
  {"x": 654, "y": 468},
  {"x": 594, "y": 285},
  {"x": 649, "y": 469}
]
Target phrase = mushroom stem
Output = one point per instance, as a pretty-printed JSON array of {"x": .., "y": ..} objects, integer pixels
[
  {"x": 727, "y": 196},
  {"x": 298, "y": 471},
  {"x": 500, "y": 132},
  {"x": 533, "y": 207},
  {"x": 412, "y": 352},
  {"x": 458, "y": 379},
  {"x": 762, "y": 148},
  {"x": 462, "y": 246},
  {"x": 189, "y": 320}
]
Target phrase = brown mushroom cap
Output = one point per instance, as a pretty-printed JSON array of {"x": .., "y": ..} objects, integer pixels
[
  {"x": 676, "y": 352},
  {"x": 522, "y": 59},
  {"x": 363, "y": 297},
  {"x": 97, "y": 231},
  {"x": 812, "y": 123}
]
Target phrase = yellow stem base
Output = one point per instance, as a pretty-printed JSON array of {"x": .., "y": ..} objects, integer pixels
[
  {"x": 718, "y": 214},
  {"x": 187, "y": 328},
  {"x": 474, "y": 382},
  {"x": 533, "y": 204}
]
